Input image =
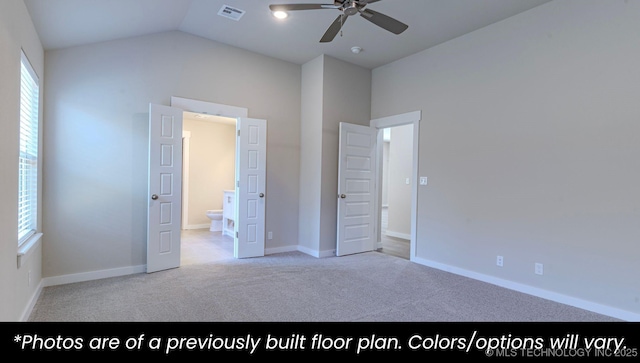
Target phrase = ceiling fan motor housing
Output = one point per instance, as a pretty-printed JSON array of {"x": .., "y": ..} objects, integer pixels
[{"x": 352, "y": 9}]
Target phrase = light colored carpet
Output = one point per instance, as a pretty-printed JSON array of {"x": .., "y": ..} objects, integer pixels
[{"x": 290, "y": 287}]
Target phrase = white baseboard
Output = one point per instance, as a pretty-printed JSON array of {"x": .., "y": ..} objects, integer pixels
[
  {"x": 398, "y": 235},
  {"x": 198, "y": 226},
  {"x": 93, "y": 275},
  {"x": 530, "y": 290},
  {"x": 32, "y": 302},
  {"x": 272, "y": 251},
  {"x": 316, "y": 253}
]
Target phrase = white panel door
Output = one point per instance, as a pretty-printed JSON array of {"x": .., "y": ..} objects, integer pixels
[
  {"x": 165, "y": 188},
  {"x": 356, "y": 189},
  {"x": 251, "y": 170}
]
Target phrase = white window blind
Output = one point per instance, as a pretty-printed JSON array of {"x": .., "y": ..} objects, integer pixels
[{"x": 28, "y": 160}]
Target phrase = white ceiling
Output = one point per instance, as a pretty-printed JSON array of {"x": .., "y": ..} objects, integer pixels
[{"x": 67, "y": 23}]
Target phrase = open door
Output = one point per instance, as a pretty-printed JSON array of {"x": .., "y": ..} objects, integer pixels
[
  {"x": 356, "y": 189},
  {"x": 165, "y": 188},
  {"x": 250, "y": 199}
]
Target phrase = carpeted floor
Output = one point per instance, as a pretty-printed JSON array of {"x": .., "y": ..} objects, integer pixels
[{"x": 288, "y": 287}]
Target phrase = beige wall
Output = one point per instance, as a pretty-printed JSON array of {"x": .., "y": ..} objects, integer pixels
[
  {"x": 18, "y": 285},
  {"x": 530, "y": 140},
  {"x": 96, "y": 106},
  {"x": 212, "y": 147}
]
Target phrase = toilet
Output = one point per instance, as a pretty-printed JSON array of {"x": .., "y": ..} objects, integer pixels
[{"x": 216, "y": 220}]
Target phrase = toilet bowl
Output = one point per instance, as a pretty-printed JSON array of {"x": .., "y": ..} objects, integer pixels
[{"x": 216, "y": 220}]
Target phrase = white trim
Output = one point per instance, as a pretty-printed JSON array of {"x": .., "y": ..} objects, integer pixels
[
  {"x": 413, "y": 118},
  {"x": 93, "y": 275},
  {"x": 274, "y": 250},
  {"x": 208, "y": 108},
  {"x": 26, "y": 249},
  {"x": 316, "y": 253},
  {"x": 197, "y": 226},
  {"x": 398, "y": 235},
  {"x": 26, "y": 312},
  {"x": 186, "y": 144},
  {"x": 32, "y": 72},
  {"x": 534, "y": 291}
]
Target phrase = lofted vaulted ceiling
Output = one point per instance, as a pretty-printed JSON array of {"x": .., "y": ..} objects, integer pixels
[{"x": 68, "y": 23}]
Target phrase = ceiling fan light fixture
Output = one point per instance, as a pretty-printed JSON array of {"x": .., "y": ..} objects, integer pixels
[
  {"x": 347, "y": 8},
  {"x": 280, "y": 14}
]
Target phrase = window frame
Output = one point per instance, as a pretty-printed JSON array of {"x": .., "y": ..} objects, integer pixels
[{"x": 28, "y": 151}]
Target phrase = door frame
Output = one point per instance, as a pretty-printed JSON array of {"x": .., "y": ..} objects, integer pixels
[
  {"x": 186, "y": 144},
  {"x": 209, "y": 108},
  {"x": 409, "y": 118}
]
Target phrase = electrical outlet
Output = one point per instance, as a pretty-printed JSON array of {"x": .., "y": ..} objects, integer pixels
[
  {"x": 499, "y": 261},
  {"x": 270, "y": 235},
  {"x": 538, "y": 269}
]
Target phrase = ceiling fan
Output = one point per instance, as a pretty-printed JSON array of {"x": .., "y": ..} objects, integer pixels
[{"x": 347, "y": 8}]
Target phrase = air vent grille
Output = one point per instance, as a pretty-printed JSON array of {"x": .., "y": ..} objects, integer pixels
[{"x": 231, "y": 12}]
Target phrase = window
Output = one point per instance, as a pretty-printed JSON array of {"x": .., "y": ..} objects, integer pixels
[{"x": 28, "y": 159}]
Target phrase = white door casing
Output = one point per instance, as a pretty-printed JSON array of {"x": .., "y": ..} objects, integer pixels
[
  {"x": 357, "y": 196},
  {"x": 165, "y": 188},
  {"x": 379, "y": 124},
  {"x": 251, "y": 196}
]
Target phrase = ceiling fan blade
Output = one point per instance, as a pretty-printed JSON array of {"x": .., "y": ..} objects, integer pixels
[
  {"x": 334, "y": 28},
  {"x": 384, "y": 21},
  {"x": 293, "y": 7}
]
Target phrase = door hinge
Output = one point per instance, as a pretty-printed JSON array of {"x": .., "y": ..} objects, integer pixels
[
  {"x": 238, "y": 183},
  {"x": 238, "y": 132},
  {"x": 236, "y": 234}
]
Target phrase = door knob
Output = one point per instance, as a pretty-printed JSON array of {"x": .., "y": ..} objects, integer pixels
[
  {"x": 343, "y": 196},
  {"x": 261, "y": 195},
  {"x": 154, "y": 196}
]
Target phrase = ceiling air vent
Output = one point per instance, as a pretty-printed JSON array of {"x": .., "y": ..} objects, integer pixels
[{"x": 231, "y": 12}]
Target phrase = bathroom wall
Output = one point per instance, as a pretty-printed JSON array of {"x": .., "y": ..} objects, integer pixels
[{"x": 211, "y": 167}]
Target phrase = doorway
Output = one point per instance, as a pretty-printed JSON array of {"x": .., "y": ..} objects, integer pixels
[
  {"x": 208, "y": 175},
  {"x": 395, "y": 205},
  {"x": 165, "y": 181},
  {"x": 410, "y": 131},
  {"x": 360, "y": 176}
]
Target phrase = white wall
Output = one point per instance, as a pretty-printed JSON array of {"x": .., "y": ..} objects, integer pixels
[
  {"x": 311, "y": 155},
  {"x": 212, "y": 161},
  {"x": 18, "y": 285},
  {"x": 530, "y": 140},
  {"x": 96, "y": 106}
]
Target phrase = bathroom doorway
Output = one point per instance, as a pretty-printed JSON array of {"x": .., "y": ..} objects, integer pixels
[{"x": 209, "y": 173}]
